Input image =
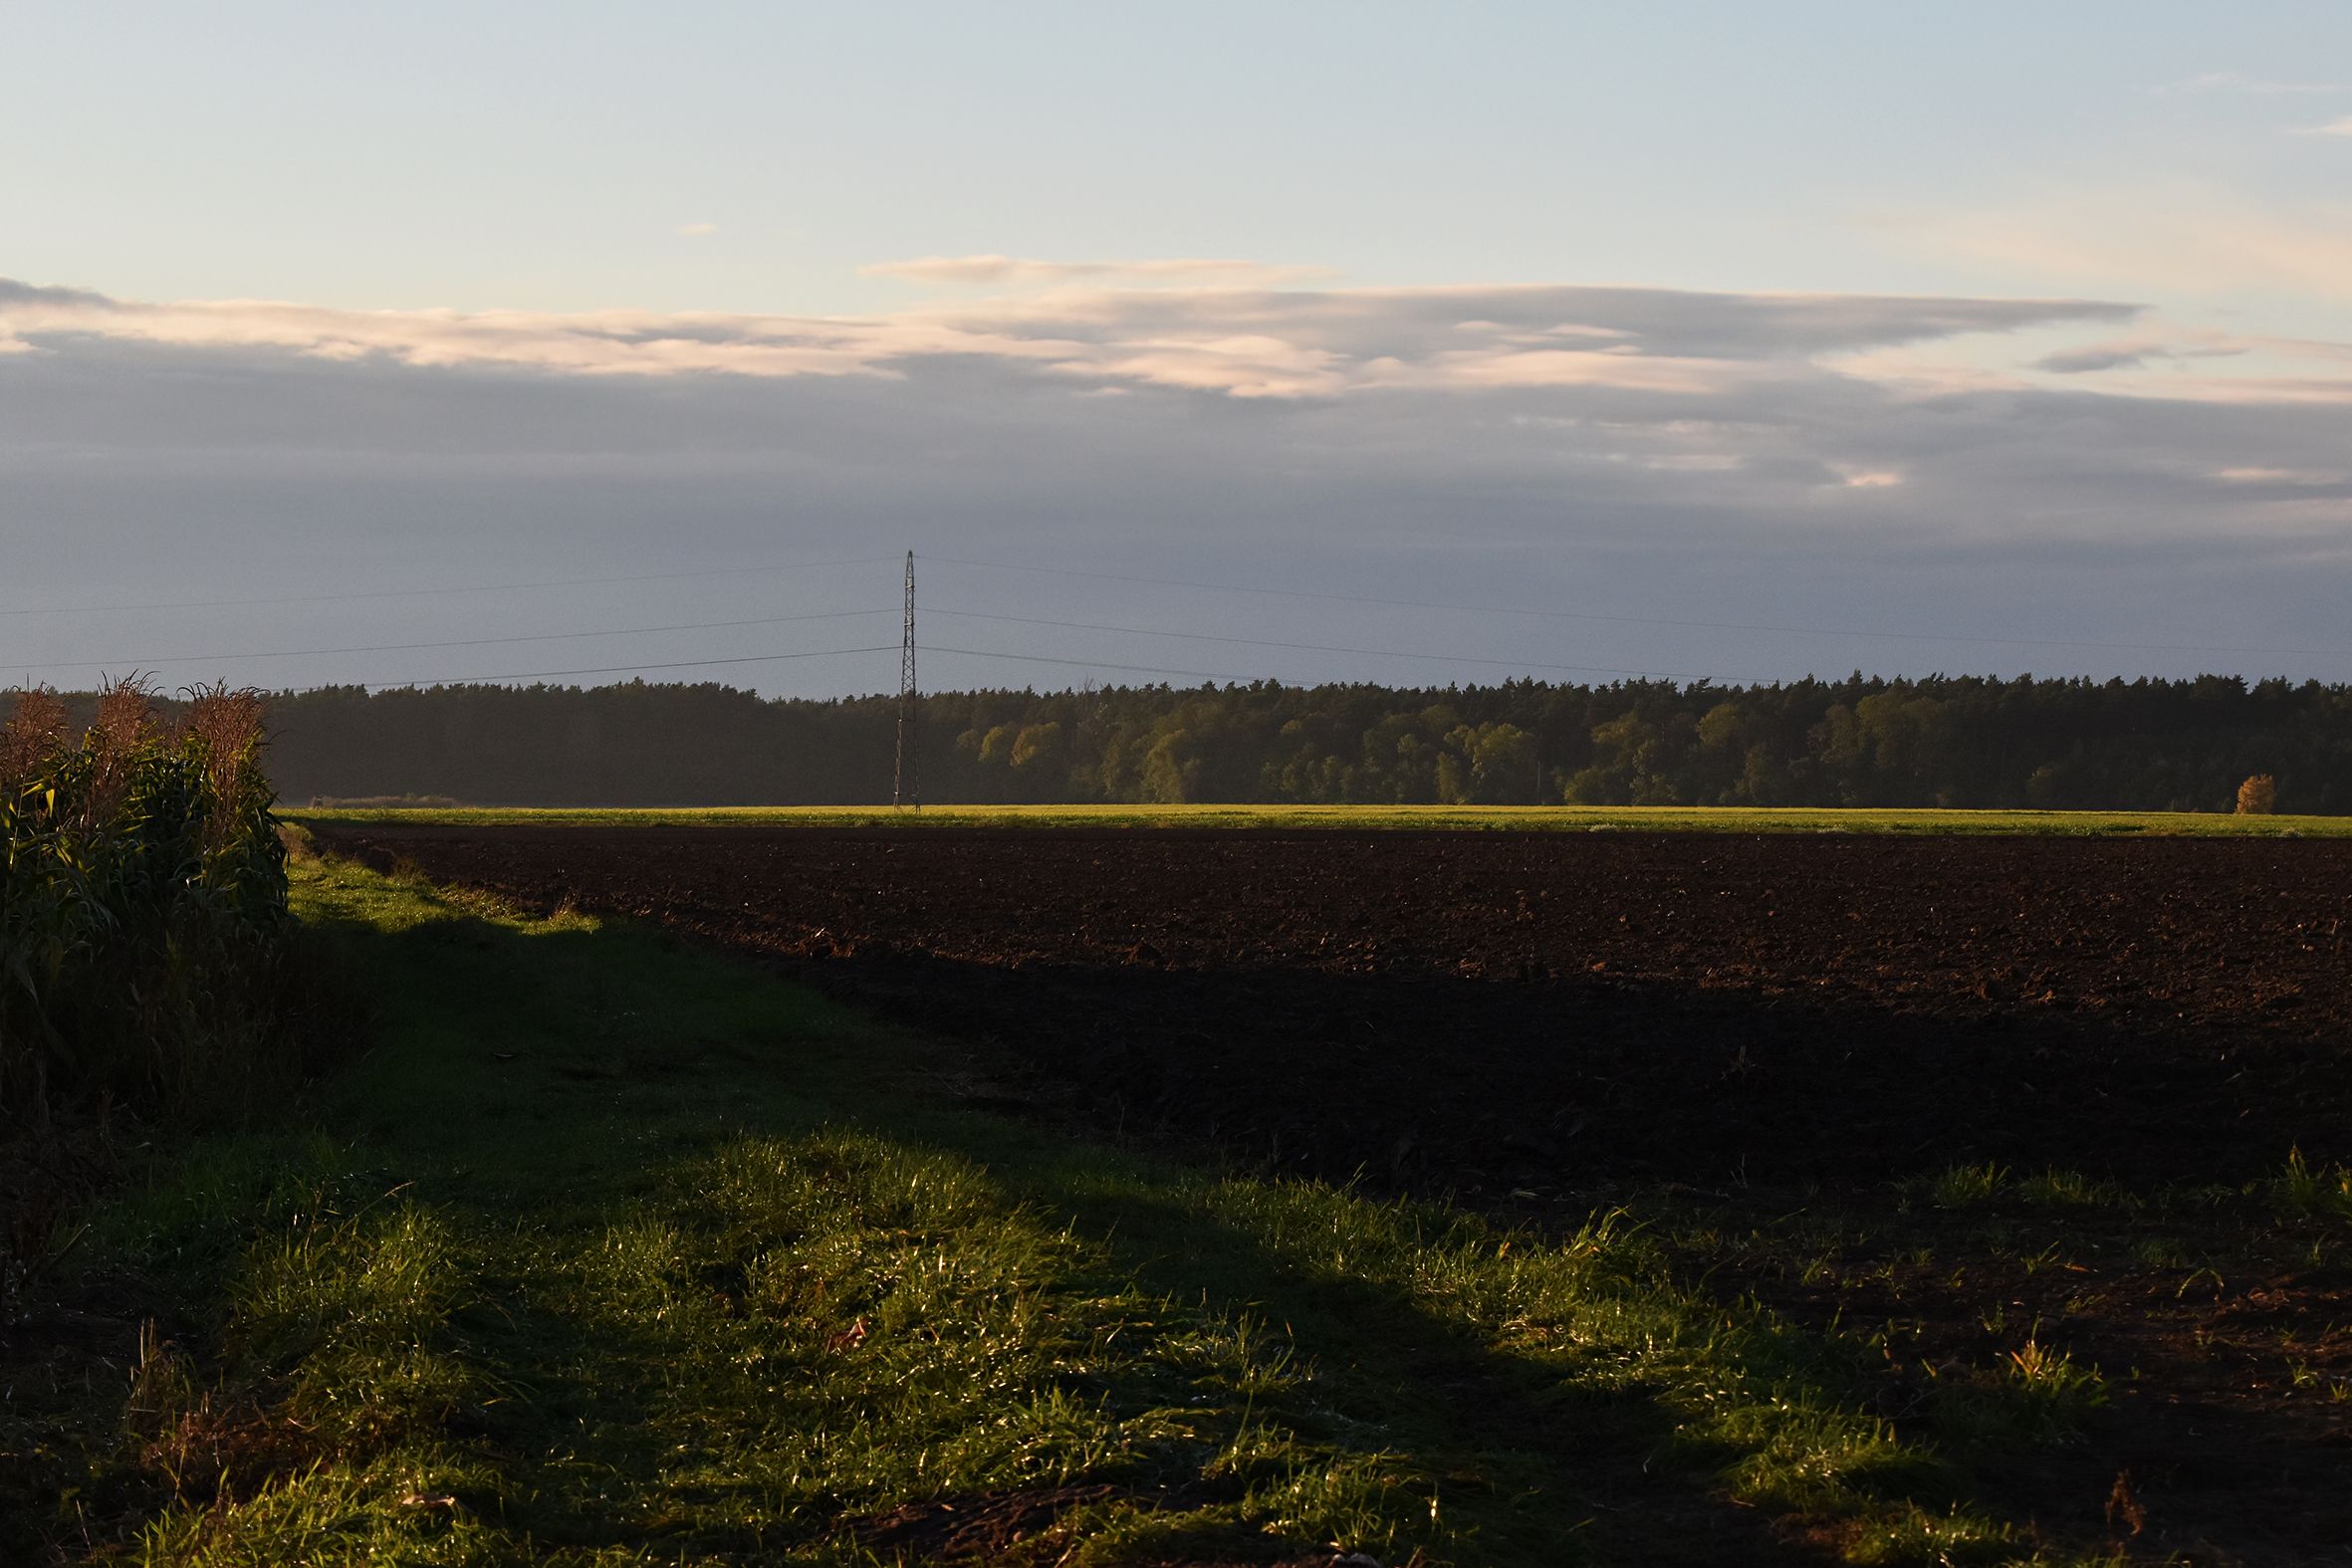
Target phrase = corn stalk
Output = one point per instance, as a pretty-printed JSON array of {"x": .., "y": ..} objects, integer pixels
[{"x": 143, "y": 898}]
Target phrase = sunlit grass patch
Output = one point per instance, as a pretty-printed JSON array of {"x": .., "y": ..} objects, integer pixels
[
  {"x": 1593, "y": 1317},
  {"x": 396, "y": 1507},
  {"x": 870, "y": 1321},
  {"x": 309, "y": 1418},
  {"x": 1957, "y": 1539},
  {"x": 354, "y": 1315}
]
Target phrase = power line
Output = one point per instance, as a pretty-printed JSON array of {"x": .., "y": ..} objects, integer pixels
[
  {"x": 1320, "y": 647},
  {"x": 1087, "y": 664},
  {"x": 814, "y": 653},
  {"x": 1648, "y": 620},
  {"x": 460, "y": 643},
  {"x": 1178, "y": 582},
  {"x": 907, "y": 647},
  {"x": 405, "y": 594},
  {"x": 627, "y": 669}
]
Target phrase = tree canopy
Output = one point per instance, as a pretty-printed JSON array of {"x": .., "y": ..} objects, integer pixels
[{"x": 1952, "y": 742}]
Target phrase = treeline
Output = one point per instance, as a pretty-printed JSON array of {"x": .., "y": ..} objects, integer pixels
[{"x": 2151, "y": 744}]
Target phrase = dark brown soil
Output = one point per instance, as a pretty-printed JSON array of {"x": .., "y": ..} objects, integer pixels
[
  {"x": 1011, "y": 1527},
  {"x": 1486, "y": 1011},
  {"x": 1776, "y": 1033},
  {"x": 981, "y": 1526}
]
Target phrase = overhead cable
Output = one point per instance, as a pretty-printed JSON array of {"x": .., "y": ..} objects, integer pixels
[
  {"x": 1314, "y": 647},
  {"x": 405, "y": 594},
  {"x": 814, "y": 653},
  {"x": 1645, "y": 620},
  {"x": 1090, "y": 665},
  {"x": 460, "y": 643},
  {"x": 626, "y": 669}
]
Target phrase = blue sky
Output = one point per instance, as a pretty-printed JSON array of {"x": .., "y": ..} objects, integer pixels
[
  {"x": 1500, "y": 318},
  {"x": 547, "y": 156}
]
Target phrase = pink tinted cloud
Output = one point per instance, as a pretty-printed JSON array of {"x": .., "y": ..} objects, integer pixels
[{"x": 1244, "y": 342}]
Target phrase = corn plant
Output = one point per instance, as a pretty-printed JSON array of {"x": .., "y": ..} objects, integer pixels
[{"x": 143, "y": 898}]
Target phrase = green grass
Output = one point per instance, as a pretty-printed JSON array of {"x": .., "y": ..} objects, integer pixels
[
  {"x": 1561, "y": 818},
  {"x": 612, "y": 1251}
]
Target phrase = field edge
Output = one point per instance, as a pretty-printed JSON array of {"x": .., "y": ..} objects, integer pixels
[{"x": 1730, "y": 821}]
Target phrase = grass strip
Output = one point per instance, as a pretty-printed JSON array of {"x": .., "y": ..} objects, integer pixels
[
  {"x": 615, "y": 1250},
  {"x": 1364, "y": 819}
]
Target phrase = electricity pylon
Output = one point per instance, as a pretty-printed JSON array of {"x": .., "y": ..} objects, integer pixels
[{"x": 903, "y": 793}]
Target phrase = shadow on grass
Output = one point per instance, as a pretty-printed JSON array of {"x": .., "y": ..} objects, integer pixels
[
  {"x": 548, "y": 1079},
  {"x": 1539, "y": 1098},
  {"x": 1542, "y": 1093},
  {"x": 644, "y": 1049}
]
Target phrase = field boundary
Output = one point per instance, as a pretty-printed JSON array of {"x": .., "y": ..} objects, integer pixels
[{"x": 1361, "y": 818}]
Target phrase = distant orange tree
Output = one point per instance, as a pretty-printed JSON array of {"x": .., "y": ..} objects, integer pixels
[{"x": 2258, "y": 796}]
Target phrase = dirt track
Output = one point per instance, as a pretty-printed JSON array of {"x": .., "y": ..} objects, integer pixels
[{"x": 1502, "y": 1012}]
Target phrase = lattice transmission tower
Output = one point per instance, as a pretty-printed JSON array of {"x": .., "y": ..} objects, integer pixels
[{"x": 904, "y": 793}]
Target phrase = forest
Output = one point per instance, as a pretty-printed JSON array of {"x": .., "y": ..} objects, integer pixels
[{"x": 1949, "y": 742}]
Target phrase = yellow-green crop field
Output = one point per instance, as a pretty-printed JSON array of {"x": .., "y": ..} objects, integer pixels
[{"x": 1497, "y": 818}]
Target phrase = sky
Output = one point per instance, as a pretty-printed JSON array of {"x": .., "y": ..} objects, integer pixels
[{"x": 1408, "y": 344}]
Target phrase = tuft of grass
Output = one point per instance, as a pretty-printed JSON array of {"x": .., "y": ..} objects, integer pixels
[
  {"x": 2035, "y": 1396},
  {"x": 2056, "y": 1189},
  {"x": 2305, "y": 1193},
  {"x": 1968, "y": 1185},
  {"x": 1962, "y": 1187}
]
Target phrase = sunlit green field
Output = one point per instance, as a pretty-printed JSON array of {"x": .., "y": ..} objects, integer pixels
[{"x": 1515, "y": 818}]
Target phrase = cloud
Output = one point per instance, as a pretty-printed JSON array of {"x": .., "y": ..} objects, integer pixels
[
  {"x": 14, "y": 293},
  {"x": 2095, "y": 357},
  {"x": 2239, "y": 81},
  {"x": 2219, "y": 391},
  {"x": 1239, "y": 343},
  {"x": 2164, "y": 359},
  {"x": 2300, "y": 478},
  {"x": 697, "y": 230},
  {"x": 2132, "y": 354},
  {"x": 2339, "y": 126},
  {"x": 1018, "y": 271},
  {"x": 1567, "y": 368},
  {"x": 1799, "y": 459},
  {"x": 1242, "y": 365}
]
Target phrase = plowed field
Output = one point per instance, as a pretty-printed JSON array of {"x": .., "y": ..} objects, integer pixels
[{"x": 1517, "y": 1011}]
